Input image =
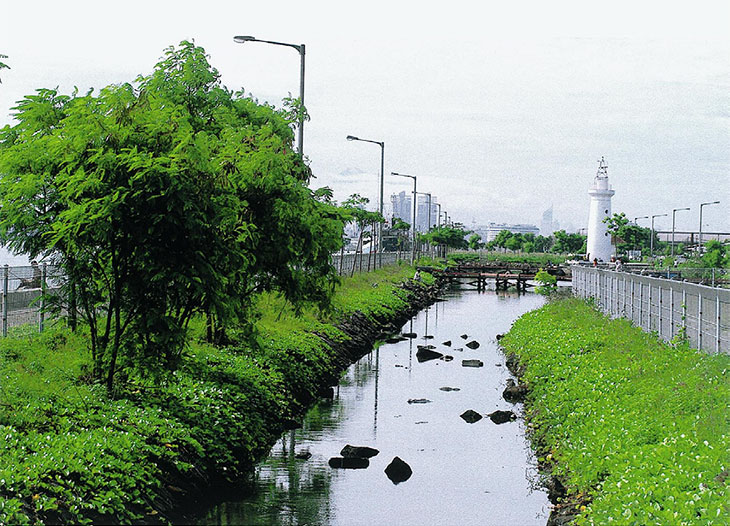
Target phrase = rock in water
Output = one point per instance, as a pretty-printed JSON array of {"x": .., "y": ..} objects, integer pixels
[
  {"x": 473, "y": 344},
  {"x": 500, "y": 417},
  {"x": 349, "y": 463},
  {"x": 393, "y": 340},
  {"x": 358, "y": 451},
  {"x": 514, "y": 393},
  {"x": 398, "y": 471},
  {"x": 303, "y": 455},
  {"x": 472, "y": 363},
  {"x": 424, "y": 355},
  {"x": 447, "y": 358},
  {"x": 447, "y": 343},
  {"x": 427, "y": 347},
  {"x": 449, "y": 389},
  {"x": 409, "y": 335},
  {"x": 428, "y": 337},
  {"x": 471, "y": 416},
  {"x": 464, "y": 336},
  {"x": 419, "y": 401}
]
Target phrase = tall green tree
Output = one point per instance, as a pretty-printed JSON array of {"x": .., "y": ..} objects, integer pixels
[
  {"x": 629, "y": 236},
  {"x": 162, "y": 199},
  {"x": 567, "y": 243},
  {"x": 474, "y": 242},
  {"x": 449, "y": 236}
]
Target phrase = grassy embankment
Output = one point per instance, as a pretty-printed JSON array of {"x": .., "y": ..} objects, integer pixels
[
  {"x": 70, "y": 454},
  {"x": 637, "y": 430}
]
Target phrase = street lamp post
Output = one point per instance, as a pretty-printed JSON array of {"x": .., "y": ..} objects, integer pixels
[
  {"x": 701, "y": 205},
  {"x": 429, "y": 211},
  {"x": 674, "y": 211},
  {"x": 651, "y": 250},
  {"x": 413, "y": 226},
  {"x": 301, "y": 49},
  {"x": 438, "y": 225},
  {"x": 636, "y": 219},
  {"x": 380, "y": 205}
]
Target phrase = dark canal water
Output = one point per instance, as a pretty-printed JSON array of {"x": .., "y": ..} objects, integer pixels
[{"x": 463, "y": 474}]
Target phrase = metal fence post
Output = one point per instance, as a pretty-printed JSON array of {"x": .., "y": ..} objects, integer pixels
[
  {"x": 641, "y": 305},
  {"x": 42, "y": 300},
  {"x": 684, "y": 312},
  {"x": 671, "y": 310},
  {"x": 633, "y": 298},
  {"x": 6, "y": 276},
  {"x": 661, "y": 304},
  {"x": 717, "y": 327},
  {"x": 699, "y": 321}
]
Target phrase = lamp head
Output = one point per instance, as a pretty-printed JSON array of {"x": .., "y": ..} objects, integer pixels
[
  {"x": 352, "y": 138},
  {"x": 241, "y": 39}
]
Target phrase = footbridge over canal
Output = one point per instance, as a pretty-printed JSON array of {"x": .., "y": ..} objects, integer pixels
[{"x": 504, "y": 276}]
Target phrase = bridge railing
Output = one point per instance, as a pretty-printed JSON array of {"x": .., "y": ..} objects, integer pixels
[{"x": 671, "y": 309}]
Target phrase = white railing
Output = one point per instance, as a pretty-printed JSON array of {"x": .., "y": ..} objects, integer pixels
[{"x": 671, "y": 309}]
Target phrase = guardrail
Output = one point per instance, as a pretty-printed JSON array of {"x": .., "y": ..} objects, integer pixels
[{"x": 672, "y": 309}]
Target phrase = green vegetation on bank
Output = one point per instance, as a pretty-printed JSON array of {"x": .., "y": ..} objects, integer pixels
[
  {"x": 502, "y": 257},
  {"x": 637, "y": 430},
  {"x": 71, "y": 454}
]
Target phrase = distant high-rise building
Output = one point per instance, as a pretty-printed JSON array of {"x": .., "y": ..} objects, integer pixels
[
  {"x": 401, "y": 204},
  {"x": 546, "y": 227},
  {"x": 489, "y": 231}
]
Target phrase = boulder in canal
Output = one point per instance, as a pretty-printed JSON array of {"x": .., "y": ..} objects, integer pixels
[
  {"x": 358, "y": 451},
  {"x": 447, "y": 358},
  {"x": 472, "y": 363},
  {"x": 473, "y": 344},
  {"x": 427, "y": 347},
  {"x": 449, "y": 389},
  {"x": 424, "y": 355},
  {"x": 500, "y": 417},
  {"x": 349, "y": 463},
  {"x": 514, "y": 393},
  {"x": 447, "y": 343},
  {"x": 303, "y": 455},
  {"x": 409, "y": 335},
  {"x": 464, "y": 336},
  {"x": 398, "y": 471},
  {"x": 470, "y": 416}
]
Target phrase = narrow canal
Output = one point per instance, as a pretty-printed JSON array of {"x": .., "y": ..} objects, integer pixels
[{"x": 480, "y": 473}]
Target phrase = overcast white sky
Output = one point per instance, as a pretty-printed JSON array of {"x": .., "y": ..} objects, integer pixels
[{"x": 500, "y": 108}]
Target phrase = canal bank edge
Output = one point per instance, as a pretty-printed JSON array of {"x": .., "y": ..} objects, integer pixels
[
  {"x": 362, "y": 329},
  {"x": 626, "y": 428}
]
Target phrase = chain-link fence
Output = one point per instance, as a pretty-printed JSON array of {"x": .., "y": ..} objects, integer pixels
[
  {"x": 347, "y": 264},
  {"x": 22, "y": 294},
  {"x": 23, "y": 286},
  {"x": 669, "y": 307}
]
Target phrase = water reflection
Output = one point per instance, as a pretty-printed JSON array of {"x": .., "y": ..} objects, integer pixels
[{"x": 462, "y": 473}]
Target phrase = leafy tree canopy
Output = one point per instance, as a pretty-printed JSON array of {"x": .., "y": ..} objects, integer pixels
[
  {"x": 164, "y": 198},
  {"x": 449, "y": 236}
]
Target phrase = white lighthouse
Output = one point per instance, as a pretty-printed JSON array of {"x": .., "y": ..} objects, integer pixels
[{"x": 599, "y": 238}]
